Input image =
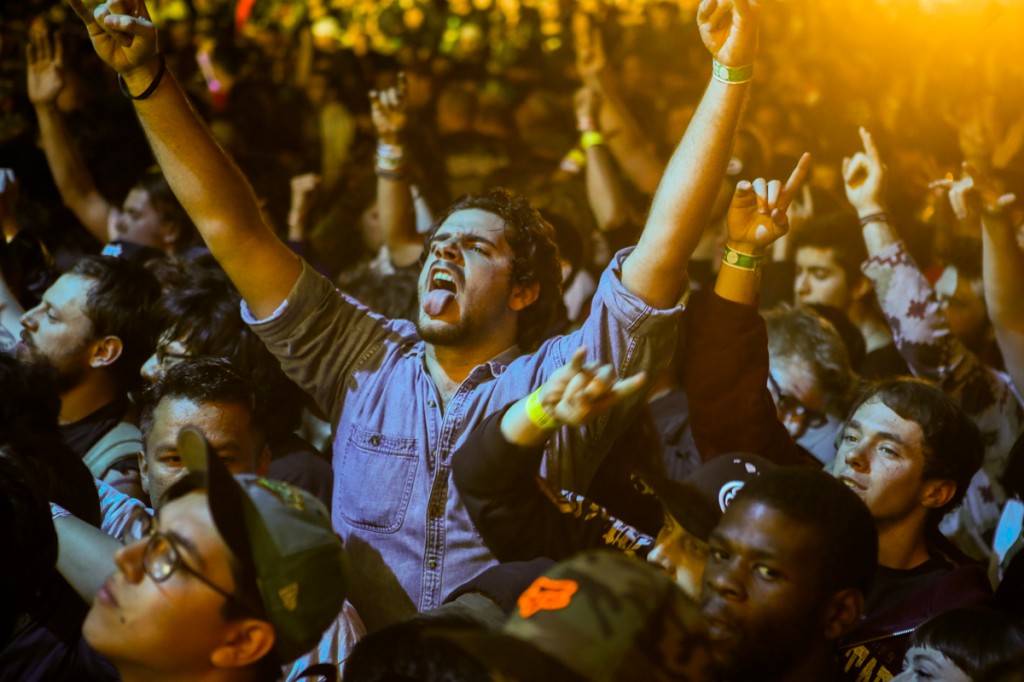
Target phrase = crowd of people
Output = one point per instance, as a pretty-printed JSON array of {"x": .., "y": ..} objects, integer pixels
[{"x": 516, "y": 340}]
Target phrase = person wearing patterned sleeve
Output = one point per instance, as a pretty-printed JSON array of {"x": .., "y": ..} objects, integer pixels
[{"x": 925, "y": 334}]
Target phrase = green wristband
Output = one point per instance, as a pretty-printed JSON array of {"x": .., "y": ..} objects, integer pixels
[
  {"x": 732, "y": 74},
  {"x": 743, "y": 261}
]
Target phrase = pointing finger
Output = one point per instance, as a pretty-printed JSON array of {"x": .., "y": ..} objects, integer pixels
[{"x": 796, "y": 180}]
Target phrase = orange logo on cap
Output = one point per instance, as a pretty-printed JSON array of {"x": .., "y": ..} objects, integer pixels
[{"x": 546, "y": 594}]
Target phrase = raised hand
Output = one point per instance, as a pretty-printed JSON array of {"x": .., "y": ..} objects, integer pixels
[
  {"x": 729, "y": 30},
  {"x": 864, "y": 176},
  {"x": 121, "y": 31},
  {"x": 973, "y": 193},
  {"x": 389, "y": 110},
  {"x": 45, "y": 65},
  {"x": 590, "y": 55},
  {"x": 577, "y": 392},
  {"x": 8, "y": 199},
  {"x": 757, "y": 215},
  {"x": 587, "y": 103}
]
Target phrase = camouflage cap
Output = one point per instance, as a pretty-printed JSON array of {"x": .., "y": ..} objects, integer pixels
[{"x": 598, "y": 616}]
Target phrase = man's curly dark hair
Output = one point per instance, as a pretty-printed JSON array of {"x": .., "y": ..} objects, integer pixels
[{"x": 535, "y": 257}]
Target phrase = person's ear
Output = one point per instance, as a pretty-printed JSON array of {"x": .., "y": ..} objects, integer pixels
[
  {"x": 144, "y": 472},
  {"x": 937, "y": 492},
  {"x": 523, "y": 296},
  {"x": 842, "y": 612},
  {"x": 246, "y": 642},
  {"x": 171, "y": 234},
  {"x": 105, "y": 351}
]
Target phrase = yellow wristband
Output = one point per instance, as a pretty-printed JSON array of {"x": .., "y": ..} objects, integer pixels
[
  {"x": 539, "y": 416},
  {"x": 591, "y": 138}
]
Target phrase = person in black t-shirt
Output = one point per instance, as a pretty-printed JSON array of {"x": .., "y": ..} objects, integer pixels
[
  {"x": 93, "y": 328},
  {"x": 909, "y": 452}
]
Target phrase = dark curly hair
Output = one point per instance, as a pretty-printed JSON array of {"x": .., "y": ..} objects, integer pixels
[{"x": 535, "y": 257}]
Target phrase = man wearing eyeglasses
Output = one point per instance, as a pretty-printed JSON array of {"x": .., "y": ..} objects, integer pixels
[{"x": 235, "y": 576}]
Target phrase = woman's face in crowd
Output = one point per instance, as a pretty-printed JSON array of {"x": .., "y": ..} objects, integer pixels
[
  {"x": 924, "y": 663},
  {"x": 681, "y": 555}
]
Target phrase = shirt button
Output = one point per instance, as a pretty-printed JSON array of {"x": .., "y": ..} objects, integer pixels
[
  {"x": 374, "y": 440},
  {"x": 432, "y": 563},
  {"x": 431, "y": 403}
]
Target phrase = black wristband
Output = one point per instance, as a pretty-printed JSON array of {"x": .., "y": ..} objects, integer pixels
[{"x": 152, "y": 86}]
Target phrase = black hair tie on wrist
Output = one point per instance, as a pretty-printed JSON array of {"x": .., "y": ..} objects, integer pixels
[{"x": 152, "y": 86}]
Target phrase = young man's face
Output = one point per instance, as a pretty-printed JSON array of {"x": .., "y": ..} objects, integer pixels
[
  {"x": 464, "y": 288},
  {"x": 681, "y": 555},
  {"x": 762, "y": 591},
  {"x": 169, "y": 352},
  {"x": 820, "y": 279},
  {"x": 138, "y": 222},
  {"x": 171, "y": 626},
  {"x": 228, "y": 428},
  {"x": 881, "y": 458},
  {"x": 57, "y": 332}
]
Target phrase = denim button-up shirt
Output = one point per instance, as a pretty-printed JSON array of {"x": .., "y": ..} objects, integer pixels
[{"x": 409, "y": 538}]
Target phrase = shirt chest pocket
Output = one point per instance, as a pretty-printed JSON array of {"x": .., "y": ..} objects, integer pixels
[{"x": 376, "y": 479}]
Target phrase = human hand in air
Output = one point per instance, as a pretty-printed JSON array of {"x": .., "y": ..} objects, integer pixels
[
  {"x": 974, "y": 193},
  {"x": 45, "y": 58},
  {"x": 121, "y": 32},
  {"x": 579, "y": 392},
  {"x": 729, "y": 30},
  {"x": 8, "y": 199},
  {"x": 587, "y": 103},
  {"x": 590, "y": 55},
  {"x": 864, "y": 176},
  {"x": 304, "y": 189},
  {"x": 757, "y": 215},
  {"x": 389, "y": 110}
]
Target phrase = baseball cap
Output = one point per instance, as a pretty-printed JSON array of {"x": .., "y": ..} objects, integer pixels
[
  {"x": 283, "y": 538},
  {"x": 597, "y": 616},
  {"x": 698, "y": 502}
]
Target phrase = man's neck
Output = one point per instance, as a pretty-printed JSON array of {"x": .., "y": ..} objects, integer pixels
[
  {"x": 901, "y": 544},
  {"x": 131, "y": 674},
  {"x": 875, "y": 330},
  {"x": 450, "y": 365},
  {"x": 86, "y": 397},
  {"x": 819, "y": 664}
]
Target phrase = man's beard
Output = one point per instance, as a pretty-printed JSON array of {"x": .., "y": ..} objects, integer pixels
[
  {"x": 443, "y": 335},
  {"x": 64, "y": 378}
]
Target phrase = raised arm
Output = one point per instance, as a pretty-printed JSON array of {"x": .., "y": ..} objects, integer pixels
[
  {"x": 626, "y": 139},
  {"x": 727, "y": 343},
  {"x": 1002, "y": 263},
  {"x": 45, "y": 81},
  {"x": 656, "y": 269},
  {"x": 496, "y": 468},
  {"x": 604, "y": 189},
  {"x": 209, "y": 185},
  {"x": 394, "y": 193}
]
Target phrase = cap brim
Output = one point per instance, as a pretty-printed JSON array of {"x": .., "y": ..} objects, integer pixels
[
  {"x": 229, "y": 504},
  {"x": 685, "y": 503}
]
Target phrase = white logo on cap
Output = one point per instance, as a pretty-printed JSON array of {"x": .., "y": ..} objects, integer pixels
[{"x": 727, "y": 492}]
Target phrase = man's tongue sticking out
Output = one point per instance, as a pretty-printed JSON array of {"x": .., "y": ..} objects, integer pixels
[{"x": 435, "y": 301}]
